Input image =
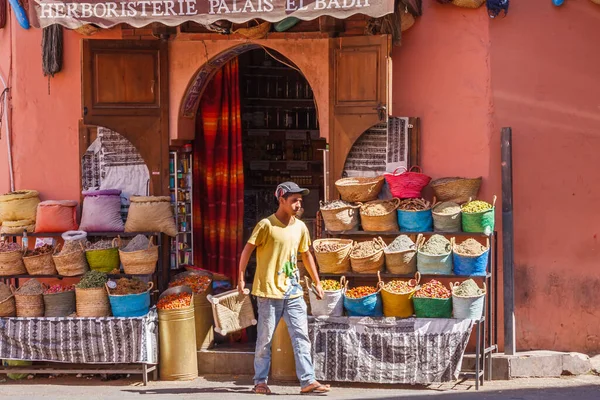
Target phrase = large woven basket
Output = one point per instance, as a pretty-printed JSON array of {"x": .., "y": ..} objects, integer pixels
[
  {"x": 456, "y": 190},
  {"x": 337, "y": 262},
  {"x": 231, "y": 311},
  {"x": 468, "y": 3},
  {"x": 380, "y": 223},
  {"x": 59, "y": 304},
  {"x": 11, "y": 263},
  {"x": 341, "y": 219},
  {"x": 92, "y": 302},
  {"x": 70, "y": 264},
  {"x": 359, "y": 189},
  {"x": 42, "y": 264},
  {"x": 28, "y": 305},
  {"x": 402, "y": 262},
  {"x": 446, "y": 222},
  {"x": 370, "y": 264},
  {"x": 140, "y": 262}
]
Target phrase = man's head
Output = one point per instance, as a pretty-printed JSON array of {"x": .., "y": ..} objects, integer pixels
[{"x": 289, "y": 195}]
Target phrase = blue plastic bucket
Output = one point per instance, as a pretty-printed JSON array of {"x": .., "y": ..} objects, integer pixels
[
  {"x": 415, "y": 221},
  {"x": 368, "y": 306},
  {"x": 468, "y": 307},
  {"x": 130, "y": 305},
  {"x": 471, "y": 265}
]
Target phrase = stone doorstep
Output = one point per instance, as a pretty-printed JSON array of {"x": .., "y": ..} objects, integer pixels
[{"x": 533, "y": 364}]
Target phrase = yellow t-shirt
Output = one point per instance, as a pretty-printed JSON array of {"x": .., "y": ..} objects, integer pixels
[{"x": 277, "y": 275}]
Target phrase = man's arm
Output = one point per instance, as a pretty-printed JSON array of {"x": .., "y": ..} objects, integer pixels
[
  {"x": 311, "y": 268},
  {"x": 244, "y": 258}
]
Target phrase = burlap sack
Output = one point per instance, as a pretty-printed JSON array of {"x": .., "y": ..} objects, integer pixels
[{"x": 151, "y": 214}]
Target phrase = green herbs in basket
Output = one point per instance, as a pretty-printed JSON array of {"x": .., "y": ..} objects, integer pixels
[
  {"x": 92, "y": 280},
  {"x": 433, "y": 290}
]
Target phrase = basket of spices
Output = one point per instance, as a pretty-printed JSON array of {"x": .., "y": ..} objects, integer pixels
[
  {"x": 433, "y": 300},
  {"x": 397, "y": 297},
  {"x": 478, "y": 216},
  {"x": 363, "y": 301},
  {"x": 332, "y": 303},
  {"x": 360, "y": 189},
  {"x": 11, "y": 259},
  {"x": 59, "y": 301},
  {"x": 471, "y": 257},
  {"x": 29, "y": 299},
  {"x": 70, "y": 260},
  {"x": 434, "y": 256},
  {"x": 39, "y": 261},
  {"x": 407, "y": 184},
  {"x": 139, "y": 256},
  {"x": 367, "y": 257},
  {"x": 468, "y": 299},
  {"x": 129, "y": 297},
  {"x": 7, "y": 302},
  {"x": 340, "y": 215},
  {"x": 414, "y": 215},
  {"x": 446, "y": 217},
  {"x": 103, "y": 256},
  {"x": 91, "y": 297},
  {"x": 401, "y": 255},
  {"x": 379, "y": 215},
  {"x": 333, "y": 255}
]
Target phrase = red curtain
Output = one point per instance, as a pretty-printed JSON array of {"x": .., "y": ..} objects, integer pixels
[{"x": 219, "y": 175}]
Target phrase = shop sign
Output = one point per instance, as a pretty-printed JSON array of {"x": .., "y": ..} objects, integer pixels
[{"x": 138, "y": 13}]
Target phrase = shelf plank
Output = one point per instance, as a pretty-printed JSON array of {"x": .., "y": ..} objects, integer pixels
[
  {"x": 397, "y": 233},
  {"x": 90, "y": 234},
  {"x": 408, "y": 276}
]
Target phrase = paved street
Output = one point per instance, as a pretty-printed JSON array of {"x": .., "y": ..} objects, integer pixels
[{"x": 580, "y": 388}]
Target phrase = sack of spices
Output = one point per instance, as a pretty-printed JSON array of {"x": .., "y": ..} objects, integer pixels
[
  {"x": 367, "y": 257},
  {"x": 19, "y": 206},
  {"x": 397, "y": 297},
  {"x": 471, "y": 257},
  {"x": 59, "y": 301},
  {"x": 434, "y": 256},
  {"x": 333, "y": 255},
  {"x": 478, "y": 216},
  {"x": 17, "y": 227},
  {"x": 56, "y": 216},
  {"x": 468, "y": 299},
  {"x": 101, "y": 211},
  {"x": 332, "y": 303},
  {"x": 29, "y": 299},
  {"x": 340, "y": 215},
  {"x": 129, "y": 297},
  {"x": 414, "y": 215},
  {"x": 433, "y": 300},
  {"x": 7, "y": 302},
  {"x": 91, "y": 296},
  {"x": 379, "y": 216},
  {"x": 11, "y": 259},
  {"x": 363, "y": 301},
  {"x": 151, "y": 214}
]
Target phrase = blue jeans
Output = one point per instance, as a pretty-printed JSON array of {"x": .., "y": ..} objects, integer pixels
[{"x": 293, "y": 312}]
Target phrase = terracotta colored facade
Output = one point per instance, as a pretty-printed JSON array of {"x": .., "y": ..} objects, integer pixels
[{"x": 466, "y": 76}]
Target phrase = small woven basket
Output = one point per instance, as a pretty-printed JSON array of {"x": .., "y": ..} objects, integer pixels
[
  {"x": 335, "y": 262},
  {"x": 140, "y": 262},
  {"x": 370, "y": 264},
  {"x": 456, "y": 190},
  {"x": 468, "y": 3},
  {"x": 380, "y": 223},
  {"x": 341, "y": 219},
  {"x": 359, "y": 189},
  {"x": 231, "y": 311},
  {"x": 11, "y": 263},
  {"x": 28, "y": 305},
  {"x": 42, "y": 264},
  {"x": 259, "y": 31},
  {"x": 70, "y": 264},
  {"x": 407, "y": 20},
  {"x": 402, "y": 262},
  {"x": 92, "y": 302}
]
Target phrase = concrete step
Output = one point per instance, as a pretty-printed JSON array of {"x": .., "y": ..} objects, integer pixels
[{"x": 233, "y": 359}]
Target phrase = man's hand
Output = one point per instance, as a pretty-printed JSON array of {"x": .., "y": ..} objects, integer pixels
[
  {"x": 320, "y": 291},
  {"x": 241, "y": 286}
]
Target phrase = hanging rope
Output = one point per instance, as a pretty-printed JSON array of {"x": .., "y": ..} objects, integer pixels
[{"x": 52, "y": 49}]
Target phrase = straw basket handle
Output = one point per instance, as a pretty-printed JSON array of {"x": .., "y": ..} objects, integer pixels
[
  {"x": 151, "y": 242},
  {"x": 12, "y": 289},
  {"x": 379, "y": 281},
  {"x": 420, "y": 171},
  {"x": 150, "y": 285},
  {"x": 402, "y": 167},
  {"x": 343, "y": 281},
  {"x": 396, "y": 201},
  {"x": 494, "y": 201},
  {"x": 379, "y": 240},
  {"x": 416, "y": 279},
  {"x": 117, "y": 242},
  {"x": 56, "y": 250}
]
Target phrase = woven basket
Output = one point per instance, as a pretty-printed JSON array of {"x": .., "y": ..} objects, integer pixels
[
  {"x": 341, "y": 219},
  {"x": 92, "y": 302},
  {"x": 359, "y": 190},
  {"x": 59, "y": 304},
  {"x": 7, "y": 301},
  {"x": 70, "y": 264},
  {"x": 337, "y": 262},
  {"x": 103, "y": 260},
  {"x": 28, "y": 305},
  {"x": 16, "y": 227},
  {"x": 456, "y": 190},
  {"x": 370, "y": 264},
  {"x": 446, "y": 222},
  {"x": 407, "y": 20},
  {"x": 380, "y": 223},
  {"x": 40, "y": 265},
  {"x": 231, "y": 311},
  {"x": 255, "y": 32},
  {"x": 402, "y": 262},
  {"x": 468, "y": 3},
  {"x": 141, "y": 262},
  {"x": 407, "y": 184},
  {"x": 87, "y": 30},
  {"x": 11, "y": 263}
]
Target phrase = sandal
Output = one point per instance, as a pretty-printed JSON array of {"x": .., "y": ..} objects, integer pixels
[
  {"x": 261, "y": 388},
  {"x": 315, "y": 388}
]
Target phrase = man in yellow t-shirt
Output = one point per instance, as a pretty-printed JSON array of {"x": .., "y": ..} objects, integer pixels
[{"x": 278, "y": 240}]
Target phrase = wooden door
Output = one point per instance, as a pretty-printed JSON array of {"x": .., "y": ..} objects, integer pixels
[
  {"x": 360, "y": 90},
  {"x": 125, "y": 88}
]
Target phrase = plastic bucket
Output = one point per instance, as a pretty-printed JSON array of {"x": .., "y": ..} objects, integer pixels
[
  {"x": 471, "y": 265},
  {"x": 468, "y": 307},
  {"x": 368, "y": 306},
  {"x": 415, "y": 221},
  {"x": 432, "y": 308},
  {"x": 130, "y": 305}
]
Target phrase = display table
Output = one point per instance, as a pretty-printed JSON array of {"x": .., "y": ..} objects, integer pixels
[
  {"x": 112, "y": 341},
  {"x": 388, "y": 350}
]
